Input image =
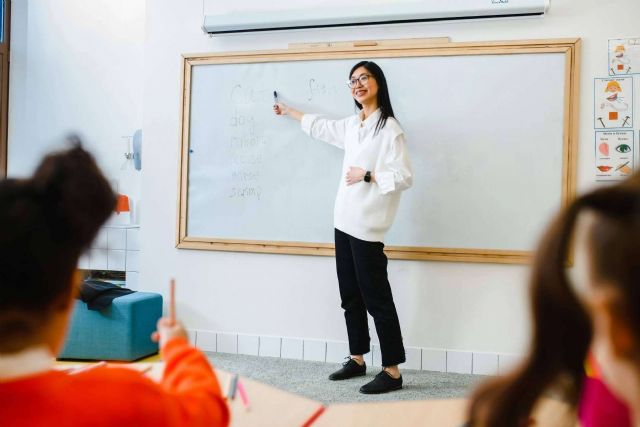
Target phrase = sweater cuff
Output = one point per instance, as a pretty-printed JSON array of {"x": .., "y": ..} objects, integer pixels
[
  {"x": 307, "y": 122},
  {"x": 386, "y": 182},
  {"x": 173, "y": 346}
]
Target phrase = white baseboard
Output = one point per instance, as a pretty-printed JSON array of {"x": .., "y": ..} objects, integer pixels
[{"x": 419, "y": 358}]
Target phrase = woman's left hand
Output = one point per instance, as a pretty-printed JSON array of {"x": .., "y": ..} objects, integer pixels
[{"x": 355, "y": 175}]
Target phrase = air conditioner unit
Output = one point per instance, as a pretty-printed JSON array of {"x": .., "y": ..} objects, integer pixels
[{"x": 400, "y": 12}]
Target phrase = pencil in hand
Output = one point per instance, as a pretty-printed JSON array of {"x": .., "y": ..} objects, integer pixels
[
  {"x": 168, "y": 326},
  {"x": 172, "y": 302}
]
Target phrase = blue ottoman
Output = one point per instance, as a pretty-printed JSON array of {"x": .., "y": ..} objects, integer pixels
[{"x": 119, "y": 332}]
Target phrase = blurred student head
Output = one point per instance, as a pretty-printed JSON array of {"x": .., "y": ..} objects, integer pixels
[
  {"x": 594, "y": 305},
  {"x": 46, "y": 222}
]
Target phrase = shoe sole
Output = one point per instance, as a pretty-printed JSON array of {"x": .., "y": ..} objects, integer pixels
[
  {"x": 381, "y": 392},
  {"x": 348, "y": 378}
]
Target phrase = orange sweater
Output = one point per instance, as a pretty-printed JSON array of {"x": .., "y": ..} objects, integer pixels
[{"x": 188, "y": 395}]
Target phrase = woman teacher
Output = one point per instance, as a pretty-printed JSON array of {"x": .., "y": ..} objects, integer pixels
[{"x": 376, "y": 170}]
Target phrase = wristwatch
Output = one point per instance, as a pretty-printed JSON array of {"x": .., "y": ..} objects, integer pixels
[{"x": 367, "y": 176}]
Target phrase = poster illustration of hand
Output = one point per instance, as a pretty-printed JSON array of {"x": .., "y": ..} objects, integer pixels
[
  {"x": 613, "y": 98},
  {"x": 615, "y": 155},
  {"x": 624, "y": 56}
]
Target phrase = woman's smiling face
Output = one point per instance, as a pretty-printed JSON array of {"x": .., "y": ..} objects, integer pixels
[{"x": 365, "y": 92}]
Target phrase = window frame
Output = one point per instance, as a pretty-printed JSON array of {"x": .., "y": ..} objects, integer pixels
[{"x": 4, "y": 87}]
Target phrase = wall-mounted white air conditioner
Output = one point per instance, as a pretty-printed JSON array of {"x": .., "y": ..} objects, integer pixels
[{"x": 400, "y": 12}]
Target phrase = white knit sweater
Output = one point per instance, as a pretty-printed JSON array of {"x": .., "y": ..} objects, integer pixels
[{"x": 366, "y": 210}]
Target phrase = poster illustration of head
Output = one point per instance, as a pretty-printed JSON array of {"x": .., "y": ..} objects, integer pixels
[
  {"x": 624, "y": 56},
  {"x": 613, "y": 100}
]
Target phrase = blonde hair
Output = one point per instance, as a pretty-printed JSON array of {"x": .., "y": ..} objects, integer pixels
[{"x": 613, "y": 85}]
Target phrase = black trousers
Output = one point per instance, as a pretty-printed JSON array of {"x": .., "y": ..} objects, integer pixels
[{"x": 364, "y": 286}]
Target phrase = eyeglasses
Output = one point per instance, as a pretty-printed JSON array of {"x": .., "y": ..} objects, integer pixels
[{"x": 363, "y": 79}]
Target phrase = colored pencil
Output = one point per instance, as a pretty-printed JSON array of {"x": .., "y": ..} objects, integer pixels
[{"x": 243, "y": 395}]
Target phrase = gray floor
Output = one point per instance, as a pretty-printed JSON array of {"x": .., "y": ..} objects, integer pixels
[{"x": 309, "y": 379}]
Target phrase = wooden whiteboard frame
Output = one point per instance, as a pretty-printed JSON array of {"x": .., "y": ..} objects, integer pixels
[{"x": 569, "y": 47}]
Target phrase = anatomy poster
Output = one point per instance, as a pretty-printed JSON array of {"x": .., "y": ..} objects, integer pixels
[
  {"x": 613, "y": 98},
  {"x": 624, "y": 56},
  {"x": 615, "y": 155}
]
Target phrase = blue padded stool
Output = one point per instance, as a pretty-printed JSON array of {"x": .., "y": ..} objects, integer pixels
[{"x": 121, "y": 331}]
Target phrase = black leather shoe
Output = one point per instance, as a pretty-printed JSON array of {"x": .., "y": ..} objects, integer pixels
[
  {"x": 350, "y": 369},
  {"x": 382, "y": 383}
]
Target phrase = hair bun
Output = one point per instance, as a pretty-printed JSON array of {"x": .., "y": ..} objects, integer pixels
[{"x": 75, "y": 196}]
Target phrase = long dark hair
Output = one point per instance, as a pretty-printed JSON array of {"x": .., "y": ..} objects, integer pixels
[
  {"x": 562, "y": 327},
  {"x": 46, "y": 222},
  {"x": 384, "y": 102}
]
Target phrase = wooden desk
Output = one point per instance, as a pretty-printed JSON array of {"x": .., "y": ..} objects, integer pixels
[
  {"x": 269, "y": 406},
  {"x": 437, "y": 413}
]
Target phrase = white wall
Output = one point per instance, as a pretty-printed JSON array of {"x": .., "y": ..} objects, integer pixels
[
  {"x": 476, "y": 307},
  {"x": 76, "y": 66},
  {"x": 441, "y": 305}
]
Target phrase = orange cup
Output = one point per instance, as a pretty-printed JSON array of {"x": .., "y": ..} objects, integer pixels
[{"x": 123, "y": 204}]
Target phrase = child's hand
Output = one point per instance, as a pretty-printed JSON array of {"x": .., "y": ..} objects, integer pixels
[{"x": 167, "y": 330}]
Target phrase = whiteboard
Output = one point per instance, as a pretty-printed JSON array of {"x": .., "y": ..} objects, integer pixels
[{"x": 485, "y": 133}]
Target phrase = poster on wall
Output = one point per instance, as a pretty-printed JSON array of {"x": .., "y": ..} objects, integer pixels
[
  {"x": 624, "y": 56},
  {"x": 613, "y": 98},
  {"x": 615, "y": 154}
]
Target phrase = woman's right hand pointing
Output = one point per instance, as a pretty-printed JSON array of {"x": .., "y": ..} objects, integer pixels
[{"x": 281, "y": 109}]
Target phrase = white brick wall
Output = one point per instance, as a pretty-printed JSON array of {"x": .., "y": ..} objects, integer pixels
[
  {"x": 116, "y": 248},
  {"x": 426, "y": 359}
]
